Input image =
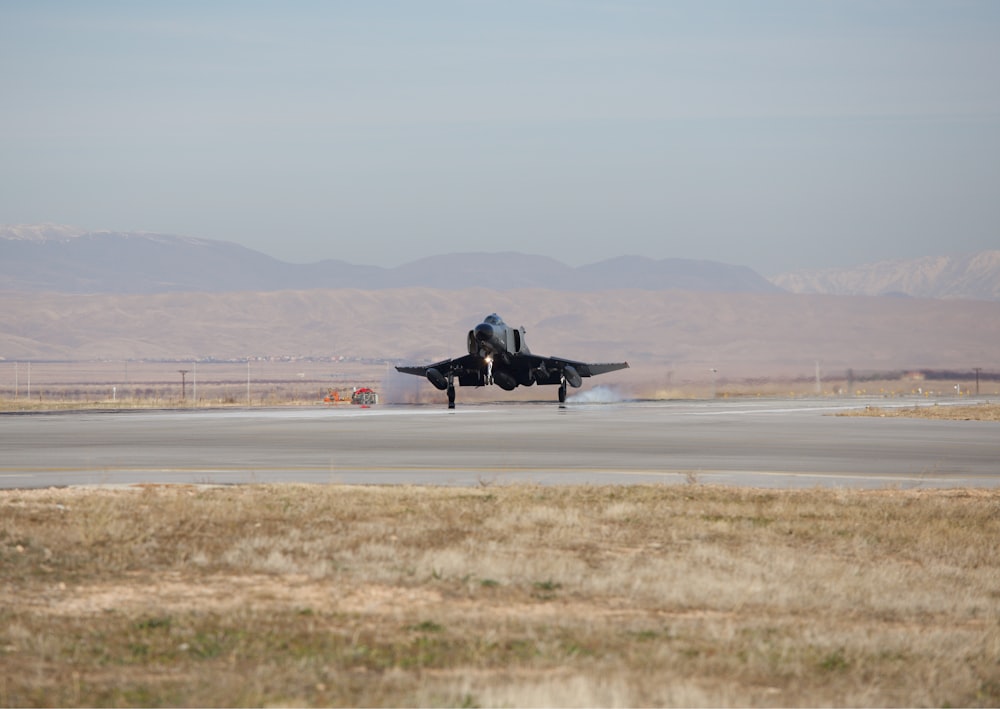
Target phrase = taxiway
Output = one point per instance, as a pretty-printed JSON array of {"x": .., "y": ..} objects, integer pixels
[{"x": 753, "y": 442}]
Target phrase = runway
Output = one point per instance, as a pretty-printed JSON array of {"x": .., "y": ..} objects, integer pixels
[{"x": 755, "y": 442}]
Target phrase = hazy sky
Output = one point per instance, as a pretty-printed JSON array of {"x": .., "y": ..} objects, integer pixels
[{"x": 776, "y": 135}]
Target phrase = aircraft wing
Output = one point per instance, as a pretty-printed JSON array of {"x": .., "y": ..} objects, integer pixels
[
  {"x": 592, "y": 370},
  {"x": 468, "y": 370},
  {"x": 585, "y": 369},
  {"x": 419, "y": 371},
  {"x": 549, "y": 370},
  {"x": 467, "y": 363}
]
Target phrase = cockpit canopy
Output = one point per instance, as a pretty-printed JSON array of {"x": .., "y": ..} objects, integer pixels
[{"x": 493, "y": 319}]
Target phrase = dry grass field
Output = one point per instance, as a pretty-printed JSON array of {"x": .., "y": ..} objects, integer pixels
[
  {"x": 973, "y": 412},
  {"x": 498, "y": 596}
]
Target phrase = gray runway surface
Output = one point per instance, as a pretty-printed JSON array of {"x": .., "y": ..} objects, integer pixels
[{"x": 760, "y": 443}]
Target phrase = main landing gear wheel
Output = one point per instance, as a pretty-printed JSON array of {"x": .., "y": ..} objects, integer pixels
[
  {"x": 562, "y": 393},
  {"x": 451, "y": 397}
]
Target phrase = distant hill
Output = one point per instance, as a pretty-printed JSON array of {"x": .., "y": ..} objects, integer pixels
[
  {"x": 975, "y": 277},
  {"x": 56, "y": 258},
  {"x": 685, "y": 332},
  {"x": 164, "y": 297}
]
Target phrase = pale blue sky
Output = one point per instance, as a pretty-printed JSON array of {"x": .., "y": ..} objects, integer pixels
[{"x": 777, "y": 135}]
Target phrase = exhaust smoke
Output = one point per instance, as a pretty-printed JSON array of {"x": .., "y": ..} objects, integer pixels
[
  {"x": 402, "y": 389},
  {"x": 601, "y": 394}
]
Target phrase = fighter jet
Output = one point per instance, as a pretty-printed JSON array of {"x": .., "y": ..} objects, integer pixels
[{"x": 499, "y": 355}]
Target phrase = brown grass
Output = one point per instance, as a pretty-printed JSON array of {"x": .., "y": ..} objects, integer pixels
[
  {"x": 647, "y": 595},
  {"x": 974, "y": 412}
]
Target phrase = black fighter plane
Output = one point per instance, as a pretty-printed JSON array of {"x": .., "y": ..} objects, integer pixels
[{"x": 499, "y": 355}]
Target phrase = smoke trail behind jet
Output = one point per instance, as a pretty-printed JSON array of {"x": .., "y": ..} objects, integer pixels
[{"x": 601, "y": 394}]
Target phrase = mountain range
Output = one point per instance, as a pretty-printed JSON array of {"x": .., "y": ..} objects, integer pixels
[
  {"x": 975, "y": 277},
  {"x": 63, "y": 259},
  {"x": 55, "y": 258},
  {"x": 151, "y": 296}
]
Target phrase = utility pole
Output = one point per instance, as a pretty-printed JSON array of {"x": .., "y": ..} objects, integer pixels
[
  {"x": 978, "y": 370},
  {"x": 183, "y": 383}
]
